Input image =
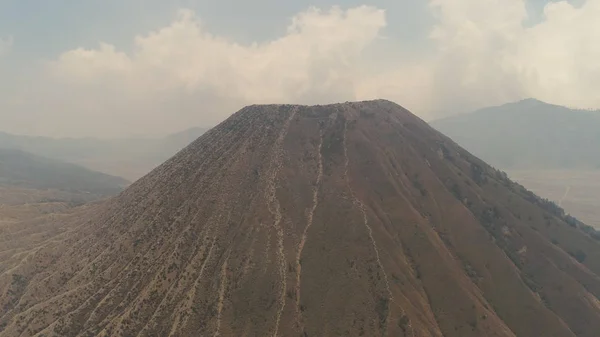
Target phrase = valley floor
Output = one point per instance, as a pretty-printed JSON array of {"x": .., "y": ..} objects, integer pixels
[{"x": 577, "y": 191}]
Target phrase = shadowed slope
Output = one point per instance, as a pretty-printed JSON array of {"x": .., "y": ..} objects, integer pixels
[
  {"x": 528, "y": 134},
  {"x": 130, "y": 158},
  {"x": 25, "y": 170},
  {"x": 353, "y": 219}
]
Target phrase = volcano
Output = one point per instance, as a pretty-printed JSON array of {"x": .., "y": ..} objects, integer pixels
[{"x": 353, "y": 219}]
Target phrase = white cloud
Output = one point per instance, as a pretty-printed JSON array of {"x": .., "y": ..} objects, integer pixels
[
  {"x": 559, "y": 57},
  {"x": 475, "y": 42},
  {"x": 317, "y": 53},
  {"x": 491, "y": 56},
  {"x": 481, "y": 53},
  {"x": 182, "y": 75}
]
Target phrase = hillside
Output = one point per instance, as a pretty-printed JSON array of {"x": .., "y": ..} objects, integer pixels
[
  {"x": 25, "y": 170},
  {"x": 528, "y": 135},
  {"x": 577, "y": 191},
  {"x": 129, "y": 158},
  {"x": 353, "y": 219}
]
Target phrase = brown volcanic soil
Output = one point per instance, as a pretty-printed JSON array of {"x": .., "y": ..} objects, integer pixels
[{"x": 353, "y": 219}]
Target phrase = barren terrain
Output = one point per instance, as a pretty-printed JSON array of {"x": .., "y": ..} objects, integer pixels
[
  {"x": 353, "y": 219},
  {"x": 20, "y": 204}
]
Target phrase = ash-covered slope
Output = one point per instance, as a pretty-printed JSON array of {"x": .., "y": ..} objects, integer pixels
[{"x": 353, "y": 219}]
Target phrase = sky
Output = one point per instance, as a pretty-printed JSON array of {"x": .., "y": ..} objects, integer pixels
[{"x": 115, "y": 68}]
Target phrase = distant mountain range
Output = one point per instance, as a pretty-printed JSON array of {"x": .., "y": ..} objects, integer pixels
[
  {"x": 128, "y": 158},
  {"x": 528, "y": 134},
  {"x": 19, "y": 169}
]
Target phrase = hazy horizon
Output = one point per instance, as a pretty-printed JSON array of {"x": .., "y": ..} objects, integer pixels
[
  {"x": 133, "y": 136},
  {"x": 113, "y": 69},
  {"x": 144, "y": 136}
]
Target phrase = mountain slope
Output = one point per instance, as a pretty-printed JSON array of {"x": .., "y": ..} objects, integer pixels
[
  {"x": 353, "y": 219},
  {"x": 528, "y": 134},
  {"x": 129, "y": 158},
  {"x": 25, "y": 170}
]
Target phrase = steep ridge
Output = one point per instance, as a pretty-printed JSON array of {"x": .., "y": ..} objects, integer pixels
[{"x": 352, "y": 219}]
